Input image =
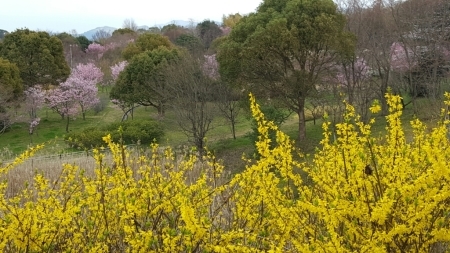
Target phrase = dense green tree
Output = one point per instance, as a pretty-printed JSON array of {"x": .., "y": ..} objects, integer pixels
[
  {"x": 208, "y": 31},
  {"x": 71, "y": 47},
  {"x": 173, "y": 32},
  {"x": 10, "y": 90},
  {"x": 145, "y": 42},
  {"x": 123, "y": 31},
  {"x": 10, "y": 81},
  {"x": 231, "y": 20},
  {"x": 38, "y": 56},
  {"x": 191, "y": 43},
  {"x": 84, "y": 42},
  {"x": 154, "y": 29},
  {"x": 142, "y": 81},
  {"x": 284, "y": 48},
  {"x": 65, "y": 37}
]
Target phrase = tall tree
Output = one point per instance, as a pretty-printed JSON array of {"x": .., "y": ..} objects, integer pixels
[
  {"x": 231, "y": 20},
  {"x": 208, "y": 31},
  {"x": 11, "y": 89},
  {"x": 284, "y": 48},
  {"x": 122, "y": 31},
  {"x": 34, "y": 100},
  {"x": 423, "y": 28},
  {"x": 63, "y": 101},
  {"x": 192, "y": 88},
  {"x": 83, "y": 42},
  {"x": 142, "y": 81},
  {"x": 173, "y": 31},
  {"x": 83, "y": 84},
  {"x": 39, "y": 57},
  {"x": 126, "y": 107},
  {"x": 130, "y": 24},
  {"x": 191, "y": 43},
  {"x": 145, "y": 42}
]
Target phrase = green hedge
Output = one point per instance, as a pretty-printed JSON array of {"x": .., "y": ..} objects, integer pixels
[{"x": 133, "y": 132}]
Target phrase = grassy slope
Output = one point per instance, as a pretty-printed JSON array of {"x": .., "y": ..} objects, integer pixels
[{"x": 52, "y": 129}]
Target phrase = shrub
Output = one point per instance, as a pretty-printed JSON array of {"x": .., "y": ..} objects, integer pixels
[
  {"x": 367, "y": 195},
  {"x": 132, "y": 132}
]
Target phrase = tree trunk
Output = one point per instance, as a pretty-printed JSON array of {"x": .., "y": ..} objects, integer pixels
[
  {"x": 67, "y": 124},
  {"x": 301, "y": 119},
  {"x": 233, "y": 129}
]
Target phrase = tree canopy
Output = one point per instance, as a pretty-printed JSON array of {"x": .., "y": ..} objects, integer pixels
[
  {"x": 190, "y": 42},
  {"x": 142, "y": 82},
  {"x": 231, "y": 20},
  {"x": 284, "y": 48},
  {"x": 10, "y": 82},
  {"x": 123, "y": 31},
  {"x": 145, "y": 42},
  {"x": 10, "y": 90},
  {"x": 83, "y": 41},
  {"x": 38, "y": 56},
  {"x": 208, "y": 31}
]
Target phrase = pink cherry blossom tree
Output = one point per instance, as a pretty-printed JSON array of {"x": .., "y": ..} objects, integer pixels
[
  {"x": 62, "y": 100},
  {"x": 89, "y": 73},
  {"x": 96, "y": 50},
  {"x": 211, "y": 67},
  {"x": 402, "y": 58},
  {"x": 34, "y": 100},
  {"x": 33, "y": 125},
  {"x": 77, "y": 93},
  {"x": 83, "y": 84},
  {"x": 117, "y": 68}
]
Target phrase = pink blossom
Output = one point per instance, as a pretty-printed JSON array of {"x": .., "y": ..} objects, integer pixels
[
  {"x": 211, "y": 66},
  {"x": 78, "y": 90},
  {"x": 34, "y": 99},
  {"x": 399, "y": 58},
  {"x": 117, "y": 68},
  {"x": 96, "y": 49},
  {"x": 225, "y": 30},
  {"x": 89, "y": 73},
  {"x": 33, "y": 124},
  {"x": 62, "y": 100}
]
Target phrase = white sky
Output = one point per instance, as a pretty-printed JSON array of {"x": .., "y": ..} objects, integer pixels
[{"x": 84, "y": 15}]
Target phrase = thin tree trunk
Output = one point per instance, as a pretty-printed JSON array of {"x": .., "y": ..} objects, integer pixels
[
  {"x": 67, "y": 124},
  {"x": 301, "y": 119},
  {"x": 233, "y": 129}
]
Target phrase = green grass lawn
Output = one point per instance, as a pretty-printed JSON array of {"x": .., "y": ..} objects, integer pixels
[{"x": 51, "y": 130}]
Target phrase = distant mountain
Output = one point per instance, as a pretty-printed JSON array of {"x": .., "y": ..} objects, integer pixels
[
  {"x": 89, "y": 34},
  {"x": 183, "y": 23},
  {"x": 143, "y": 27},
  {"x": 110, "y": 29}
]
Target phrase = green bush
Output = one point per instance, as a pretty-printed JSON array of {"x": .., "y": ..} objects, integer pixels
[{"x": 132, "y": 132}]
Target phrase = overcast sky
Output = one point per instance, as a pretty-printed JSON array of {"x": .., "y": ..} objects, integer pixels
[{"x": 84, "y": 15}]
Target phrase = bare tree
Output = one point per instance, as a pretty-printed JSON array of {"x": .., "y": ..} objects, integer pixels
[
  {"x": 192, "y": 92},
  {"x": 130, "y": 24},
  {"x": 229, "y": 103},
  {"x": 424, "y": 29},
  {"x": 373, "y": 27},
  {"x": 101, "y": 36}
]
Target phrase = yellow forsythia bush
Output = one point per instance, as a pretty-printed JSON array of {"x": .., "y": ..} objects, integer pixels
[{"x": 364, "y": 194}]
